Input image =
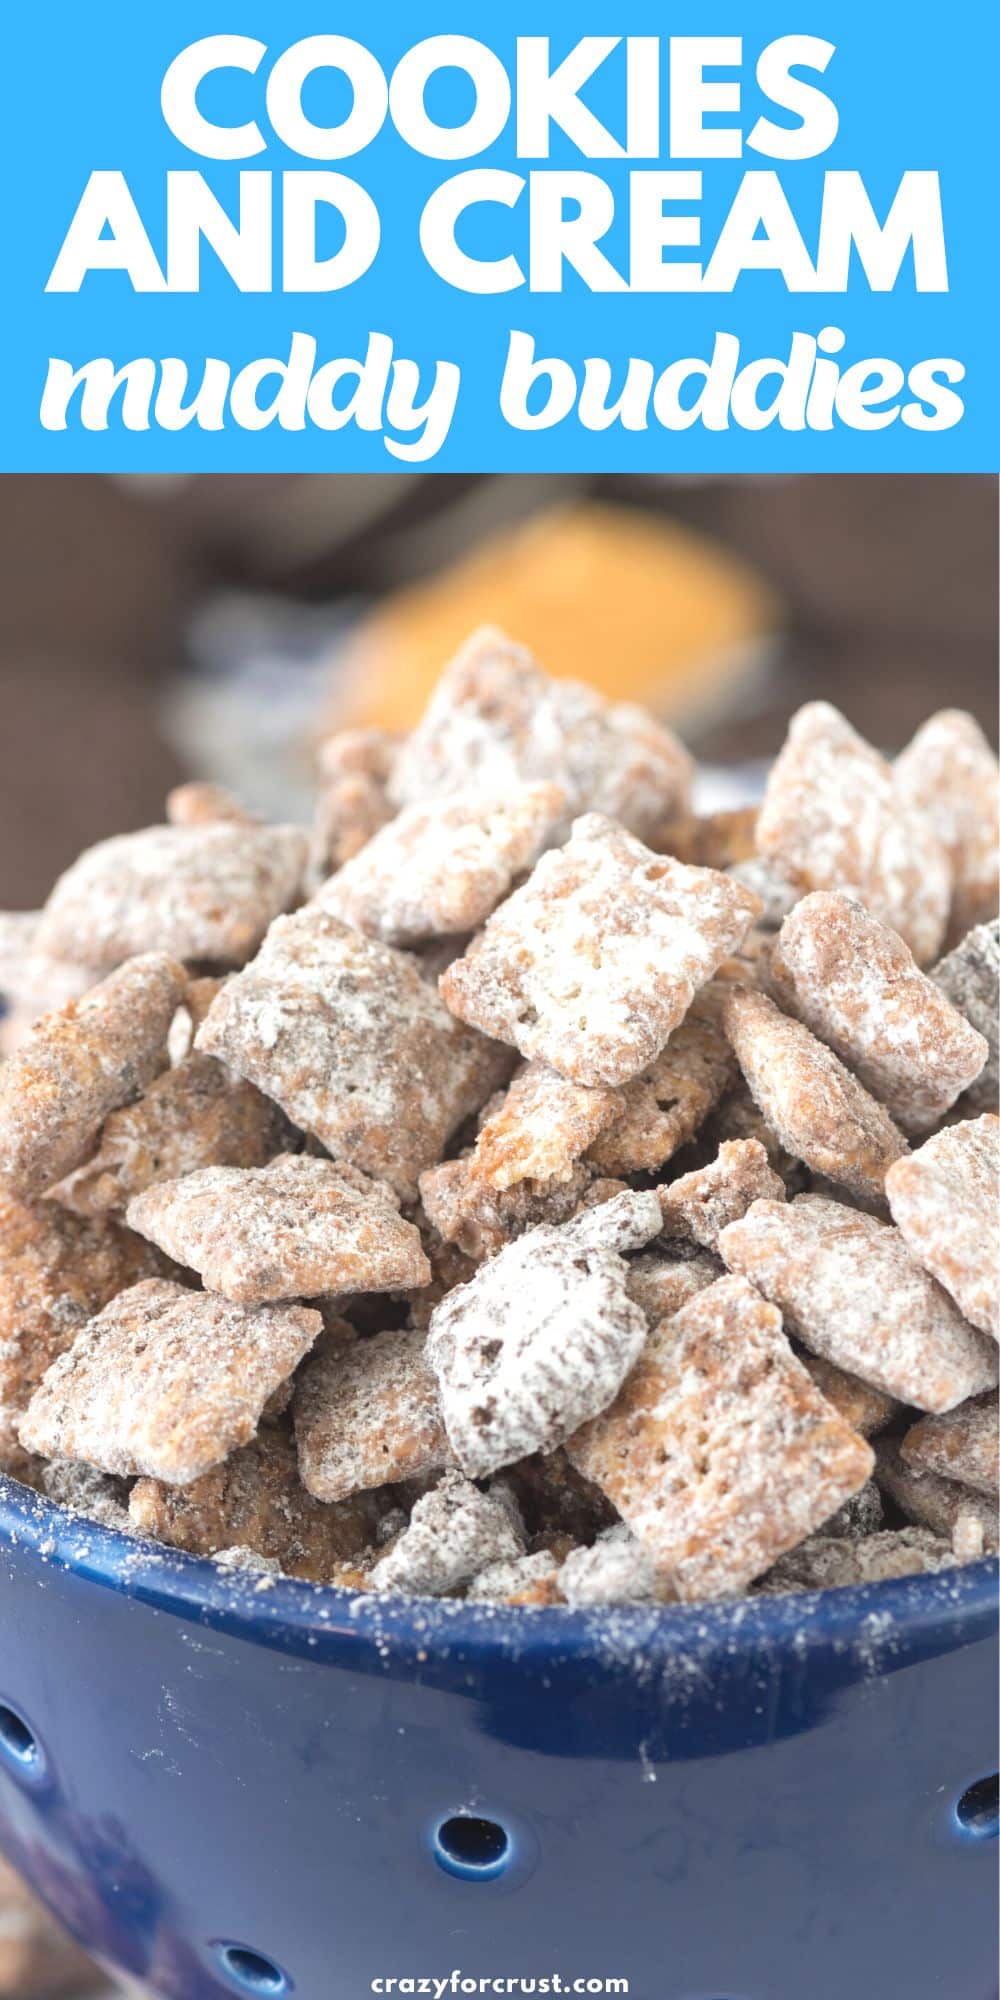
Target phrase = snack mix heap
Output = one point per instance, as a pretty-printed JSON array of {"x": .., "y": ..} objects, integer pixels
[{"x": 522, "y": 1189}]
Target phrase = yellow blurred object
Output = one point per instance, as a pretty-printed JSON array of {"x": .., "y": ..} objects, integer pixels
[{"x": 630, "y": 602}]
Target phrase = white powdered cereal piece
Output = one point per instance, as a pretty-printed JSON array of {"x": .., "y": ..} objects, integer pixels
[
  {"x": 530, "y": 1579},
  {"x": 541, "y": 1127},
  {"x": 347, "y": 1037},
  {"x": 855, "y": 984},
  {"x": 661, "y": 1281},
  {"x": 166, "y": 1382},
  {"x": 294, "y": 1229},
  {"x": 659, "y": 1111},
  {"x": 628, "y": 1221},
  {"x": 867, "y": 1410},
  {"x": 454, "y": 1533},
  {"x": 820, "y": 1112},
  {"x": 949, "y": 774},
  {"x": 439, "y": 869},
  {"x": 540, "y": 1339},
  {"x": 88, "y": 1493},
  {"x": 617, "y": 1570},
  {"x": 75, "y": 1067},
  {"x": 833, "y": 1562},
  {"x": 203, "y": 892},
  {"x": 594, "y": 962},
  {"x": 945, "y": 1199},
  {"x": 970, "y": 977},
  {"x": 368, "y": 1416},
  {"x": 962, "y": 1445},
  {"x": 496, "y": 719},
  {"x": 701, "y": 1204},
  {"x": 832, "y": 818},
  {"x": 849, "y": 1288},
  {"x": 719, "y": 1452},
  {"x": 933, "y": 1502},
  {"x": 30, "y": 982},
  {"x": 968, "y": 1537}
]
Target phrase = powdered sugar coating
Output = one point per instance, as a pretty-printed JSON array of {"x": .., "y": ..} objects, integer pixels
[
  {"x": 540, "y": 1339},
  {"x": 192, "y": 1116},
  {"x": 962, "y": 1445},
  {"x": 866, "y": 1409},
  {"x": 541, "y": 1127},
  {"x": 368, "y": 1416},
  {"x": 496, "y": 719},
  {"x": 820, "y": 1112},
  {"x": 532, "y": 1579},
  {"x": 628, "y": 1220},
  {"x": 933, "y": 1502},
  {"x": 855, "y": 984},
  {"x": 294, "y": 1229},
  {"x": 970, "y": 977},
  {"x": 56, "y": 1272},
  {"x": 75, "y": 1067},
  {"x": 166, "y": 1382},
  {"x": 661, "y": 1281},
  {"x": 454, "y": 1533},
  {"x": 720, "y": 1453},
  {"x": 595, "y": 961},
  {"x": 345, "y": 1035},
  {"x": 616, "y": 1570},
  {"x": 198, "y": 892},
  {"x": 701, "y": 1204},
  {"x": 949, "y": 774},
  {"x": 945, "y": 1199},
  {"x": 830, "y": 1562},
  {"x": 257, "y": 1501},
  {"x": 91, "y": 1494},
  {"x": 30, "y": 981},
  {"x": 659, "y": 1111},
  {"x": 354, "y": 770},
  {"x": 832, "y": 818},
  {"x": 480, "y": 1219},
  {"x": 439, "y": 869},
  {"x": 849, "y": 1288}
]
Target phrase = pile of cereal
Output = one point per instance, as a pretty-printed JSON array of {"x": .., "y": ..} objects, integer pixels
[{"x": 524, "y": 1189}]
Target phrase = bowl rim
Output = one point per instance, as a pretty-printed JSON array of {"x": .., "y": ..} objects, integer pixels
[{"x": 939, "y": 1611}]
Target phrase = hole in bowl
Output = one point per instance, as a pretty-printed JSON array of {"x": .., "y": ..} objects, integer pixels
[
  {"x": 978, "y": 1809},
  {"x": 473, "y": 1848},
  {"x": 18, "y": 1742},
  {"x": 251, "y": 1972}
]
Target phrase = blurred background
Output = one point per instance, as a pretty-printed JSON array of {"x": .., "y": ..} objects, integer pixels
[{"x": 153, "y": 629}]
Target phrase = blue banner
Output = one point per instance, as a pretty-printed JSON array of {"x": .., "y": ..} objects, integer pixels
[{"x": 749, "y": 238}]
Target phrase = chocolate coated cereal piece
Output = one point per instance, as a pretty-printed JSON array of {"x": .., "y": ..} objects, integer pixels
[
  {"x": 199, "y": 892},
  {"x": 661, "y": 1281},
  {"x": 439, "y": 869},
  {"x": 710, "y": 840},
  {"x": 454, "y": 1533},
  {"x": 56, "y": 1272},
  {"x": 76, "y": 1066},
  {"x": 962, "y": 1445},
  {"x": 532, "y": 1579},
  {"x": 832, "y": 818},
  {"x": 701, "y": 1204},
  {"x": 862, "y": 1514},
  {"x": 480, "y": 1219},
  {"x": 719, "y": 1452},
  {"x": 201, "y": 804},
  {"x": 541, "y": 1127},
  {"x": 294, "y": 1229},
  {"x": 820, "y": 1112},
  {"x": 257, "y": 1501},
  {"x": 91, "y": 1494},
  {"x": 345, "y": 1035},
  {"x": 166, "y": 1382},
  {"x": 616, "y": 1570},
  {"x": 930, "y": 1500},
  {"x": 854, "y": 983},
  {"x": 849, "y": 1288},
  {"x": 948, "y": 773},
  {"x": 496, "y": 719},
  {"x": 354, "y": 769},
  {"x": 833, "y": 1562},
  {"x": 540, "y": 1339},
  {"x": 945, "y": 1199},
  {"x": 627, "y": 1220},
  {"x": 970, "y": 977},
  {"x": 664, "y": 1107},
  {"x": 30, "y": 982},
  {"x": 368, "y": 1416},
  {"x": 192, "y": 1116},
  {"x": 594, "y": 962},
  {"x": 867, "y": 1410}
]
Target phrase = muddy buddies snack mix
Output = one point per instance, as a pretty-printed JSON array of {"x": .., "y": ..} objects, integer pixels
[{"x": 539, "y": 1194}]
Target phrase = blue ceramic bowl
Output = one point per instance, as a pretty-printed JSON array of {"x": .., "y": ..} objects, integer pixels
[{"x": 224, "y": 1787}]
